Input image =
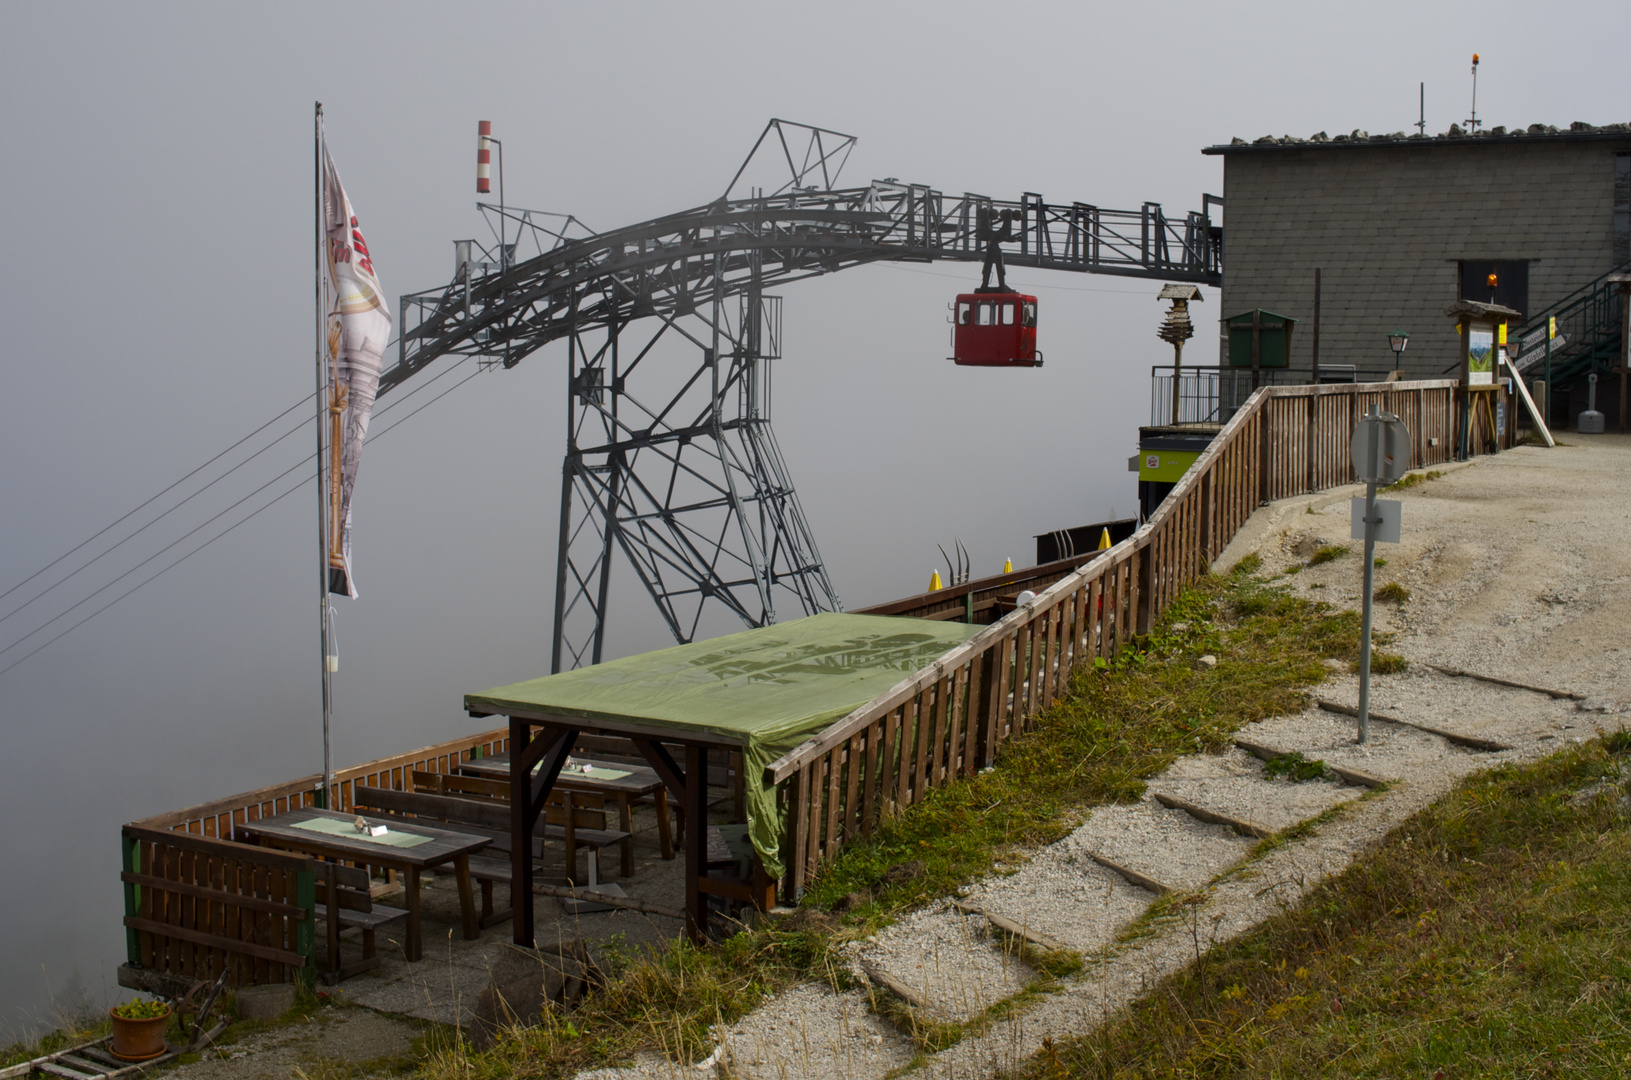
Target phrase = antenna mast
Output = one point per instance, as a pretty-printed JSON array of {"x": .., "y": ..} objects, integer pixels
[
  {"x": 1421, "y": 124},
  {"x": 1472, "y": 122}
]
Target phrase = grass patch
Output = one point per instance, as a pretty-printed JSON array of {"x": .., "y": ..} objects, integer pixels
[
  {"x": 1387, "y": 663},
  {"x": 1328, "y": 553},
  {"x": 1393, "y": 593},
  {"x": 1295, "y": 767},
  {"x": 1488, "y": 936},
  {"x": 72, "y": 1030},
  {"x": 1119, "y": 723},
  {"x": 1415, "y": 479}
]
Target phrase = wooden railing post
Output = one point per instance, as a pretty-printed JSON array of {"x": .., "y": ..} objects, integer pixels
[
  {"x": 989, "y": 706},
  {"x": 305, "y": 930},
  {"x": 1206, "y": 519},
  {"x": 1313, "y": 400},
  {"x": 1143, "y": 578},
  {"x": 1263, "y": 453},
  {"x": 131, "y": 853}
]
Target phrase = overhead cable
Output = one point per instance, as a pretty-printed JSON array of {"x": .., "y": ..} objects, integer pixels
[{"x": 274, "y": 501}]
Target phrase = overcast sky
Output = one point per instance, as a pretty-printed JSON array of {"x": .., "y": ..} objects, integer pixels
[{"x": 157, "y": 299}]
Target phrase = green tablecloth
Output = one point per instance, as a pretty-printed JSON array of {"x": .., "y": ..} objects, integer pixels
[
  {"x": 594, "y": 772},
  {"x": 770, "y": 688},
  {"x": 344, "y": 828}
]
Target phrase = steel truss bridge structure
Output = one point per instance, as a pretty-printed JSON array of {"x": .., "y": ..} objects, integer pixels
[{"x": 675, "y": 465}]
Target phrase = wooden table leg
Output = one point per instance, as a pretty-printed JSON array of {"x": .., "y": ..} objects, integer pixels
[
  {"x": 625, "y": 821},
  {"x": 696, "y": 841},
  {"x": 413, "y": 948},
  {"x": 665, "y": 832},
  {"x": 467, "y": 898}
]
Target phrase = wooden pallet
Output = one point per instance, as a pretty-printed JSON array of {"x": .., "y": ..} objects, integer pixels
[{"x": 93, "y": 1060}]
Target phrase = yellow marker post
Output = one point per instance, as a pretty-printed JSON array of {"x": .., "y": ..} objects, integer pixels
[
  {"x": 1008, "y": 566},
  {"x": 1104, "y": 540},
  {"x": 934, "y": 582}
]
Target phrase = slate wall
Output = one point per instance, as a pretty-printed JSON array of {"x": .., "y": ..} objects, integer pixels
[{"x": 1388, "y": 226}]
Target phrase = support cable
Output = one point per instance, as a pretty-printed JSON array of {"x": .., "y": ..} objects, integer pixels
[
  {"x": 160, "y": 495},
  {"x": 265, "y": 506},
  {"x": 131, "y": 536}
]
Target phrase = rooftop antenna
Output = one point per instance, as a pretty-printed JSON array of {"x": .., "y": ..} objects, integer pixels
[
  {"x": 1421, "y": 125},
  {"x": 1472, "y": 122}
]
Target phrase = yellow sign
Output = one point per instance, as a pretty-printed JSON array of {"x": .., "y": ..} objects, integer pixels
[{"x": 1165, "y": 466}]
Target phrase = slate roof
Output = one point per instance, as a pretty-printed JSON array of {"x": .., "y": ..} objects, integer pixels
[{"x": 1576, "y": 132}]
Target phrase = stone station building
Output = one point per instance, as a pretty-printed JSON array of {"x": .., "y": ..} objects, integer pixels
[{"x": 1401, "y": 226}]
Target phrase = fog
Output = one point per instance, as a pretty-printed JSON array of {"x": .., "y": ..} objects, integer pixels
[{"x": 157, "y": 298}]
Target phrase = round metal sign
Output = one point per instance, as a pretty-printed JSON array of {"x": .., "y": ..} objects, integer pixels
[{"x": 1381, "y": 449}]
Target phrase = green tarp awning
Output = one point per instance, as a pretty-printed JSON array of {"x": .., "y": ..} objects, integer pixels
[{"x": 770, "y": 688}]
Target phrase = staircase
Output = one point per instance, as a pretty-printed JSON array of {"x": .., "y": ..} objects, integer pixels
[{"x": 1588, "y": 333}]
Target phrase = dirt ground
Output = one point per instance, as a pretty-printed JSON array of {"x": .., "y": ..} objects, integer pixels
[
  {"x": 353, "y": 1042},
  {"x": 1518, "y": 565}
]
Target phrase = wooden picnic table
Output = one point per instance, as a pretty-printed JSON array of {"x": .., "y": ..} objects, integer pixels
[
  {"x": 295, "y": 831},
  {"x": 636, "y": 782}
]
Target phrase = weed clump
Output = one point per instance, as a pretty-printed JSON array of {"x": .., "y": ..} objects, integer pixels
[
  {"x": 1386, "y": 663},
  {"x": 1328, "y": 553},
  {"x": 1393, "y": 593},
  {"x": 1415, "y": 479},
  {"x": 1247, "y": 566},
  {"x": 1295, "y": 767}
]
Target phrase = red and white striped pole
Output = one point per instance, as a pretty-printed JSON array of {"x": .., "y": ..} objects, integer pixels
[{"x": 484, "y": 156}]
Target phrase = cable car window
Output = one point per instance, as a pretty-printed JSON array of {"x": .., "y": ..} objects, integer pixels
[
  {"x": 985, "y": 316},
  {"x": 1008, "y": 313},
  {"x": 962, "y": 313},
  {"x": 1027, "y": 315}
]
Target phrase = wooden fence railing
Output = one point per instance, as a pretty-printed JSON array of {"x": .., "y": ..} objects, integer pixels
[
  {"x": 216, "y": 819},
  {"x": 195, "y": 906},
  {"x": 951, "y": 719},
  {"x": 197, "y": 901}
]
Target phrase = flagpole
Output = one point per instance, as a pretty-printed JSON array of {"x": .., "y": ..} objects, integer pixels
[{"x": 326, "y": 798}]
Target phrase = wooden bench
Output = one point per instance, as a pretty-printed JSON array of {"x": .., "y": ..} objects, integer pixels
[
  {"x": 617, "y": 750},
  {"x": 586, "y": 824},
  {"x": 487, "y": 815},
  {"x": 730, "y": 849},
  {"x": 344, "y": 903}
]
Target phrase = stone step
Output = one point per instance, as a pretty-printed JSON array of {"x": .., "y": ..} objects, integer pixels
[
  {"x": 1168, "y": 847},
  {"x": 1062, "y": 896},
  {"x": 1390, "y": 751},
  {"x": 1232, "y": 786},
  {"x": 948, "y": 965},
  {"x": 809, "y": 1031}
]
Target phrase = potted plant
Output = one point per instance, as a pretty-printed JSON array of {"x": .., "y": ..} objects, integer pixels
[{"x": 138, "y": 1029}]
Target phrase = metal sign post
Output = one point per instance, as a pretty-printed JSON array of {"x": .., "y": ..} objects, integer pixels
[{"x": 1381, "y": 455}]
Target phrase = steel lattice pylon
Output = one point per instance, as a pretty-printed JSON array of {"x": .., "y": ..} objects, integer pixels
[
  {"x": 673, "y": 462},
  {"x": 686, "y": 480}
]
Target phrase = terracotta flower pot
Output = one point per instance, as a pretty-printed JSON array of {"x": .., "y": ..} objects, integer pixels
[{"x": 138, "y": 1040}]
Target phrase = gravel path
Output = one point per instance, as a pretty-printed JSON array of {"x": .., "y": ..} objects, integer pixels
[{"x": 1518, "y": 568}]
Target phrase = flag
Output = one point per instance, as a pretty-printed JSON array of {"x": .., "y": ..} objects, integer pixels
[{"x": 359, "y": 325}]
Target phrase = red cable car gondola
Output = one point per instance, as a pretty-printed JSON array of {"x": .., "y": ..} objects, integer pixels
[
  {"x": 992, "y": 327},
  {"x": 995, "y": 329}
]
